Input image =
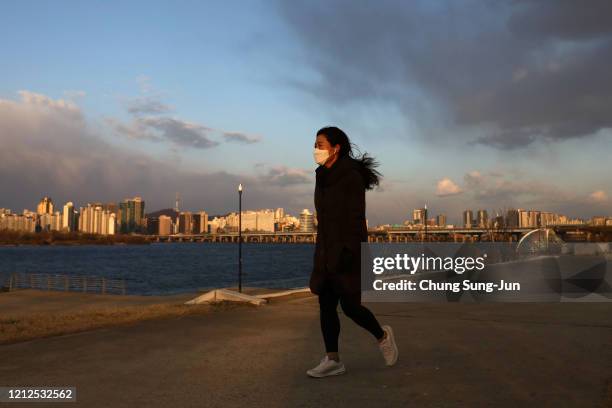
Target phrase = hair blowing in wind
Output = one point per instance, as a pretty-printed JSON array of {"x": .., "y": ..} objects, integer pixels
[{"x": 335, "y": 136}]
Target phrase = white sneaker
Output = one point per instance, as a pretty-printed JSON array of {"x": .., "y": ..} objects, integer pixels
[
  {"x": 326, "y": 368},
  {"x": 388, "y": 348}
]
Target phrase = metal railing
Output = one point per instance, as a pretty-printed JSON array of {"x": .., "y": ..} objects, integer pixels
[{"x": 75, "y": 283}]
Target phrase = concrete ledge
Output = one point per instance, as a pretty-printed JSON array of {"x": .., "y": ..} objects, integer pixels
[
  {"x": 218, "y": 295},
  {"x": 283, "y": 293}
]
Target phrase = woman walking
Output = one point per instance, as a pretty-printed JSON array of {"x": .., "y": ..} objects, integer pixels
[{"x": 341, "y": 182}]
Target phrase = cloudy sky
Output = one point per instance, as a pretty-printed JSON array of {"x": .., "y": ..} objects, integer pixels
[{"x": 473, "y": 104}]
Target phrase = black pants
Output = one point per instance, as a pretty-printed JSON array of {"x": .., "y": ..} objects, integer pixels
[{"x": 330, "y": 324}]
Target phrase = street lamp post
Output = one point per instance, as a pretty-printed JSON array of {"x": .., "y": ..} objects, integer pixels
[
  {"x": 240, "y": 237},
  {"x": 425, "y": 222}
]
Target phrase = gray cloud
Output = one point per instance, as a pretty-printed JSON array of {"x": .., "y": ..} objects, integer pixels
[
  {"x": 240, "y": 137},
  {"x": 150, "y": 123},
  {"x": 176, "y": 131},
  {"x": 561, "y": 19},
  {"x": 181, "y": 133},
  {"x": 284, "y": 176},
  {"x": 134, "y": 130},
  {"x": 522, "y": 71},
  {"x": 147, "y": 105},
  {"x": 158, "y": 129}
]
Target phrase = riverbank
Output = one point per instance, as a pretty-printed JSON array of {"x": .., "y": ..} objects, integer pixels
[
  {"x": 27, "y": 314},
  {"x": 30, "y": 314}
]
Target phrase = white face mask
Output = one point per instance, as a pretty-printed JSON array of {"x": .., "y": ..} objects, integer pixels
[{"x": 320, "y": 156}]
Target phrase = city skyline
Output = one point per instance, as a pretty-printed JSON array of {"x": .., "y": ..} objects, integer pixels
[
  {"x": 129, "y": 215},
  {"x": 163, "y": 102}
]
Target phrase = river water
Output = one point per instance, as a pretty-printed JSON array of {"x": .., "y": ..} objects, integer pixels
[{"x": 168, "y": 268}]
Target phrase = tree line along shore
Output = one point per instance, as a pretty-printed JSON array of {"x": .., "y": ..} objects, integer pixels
[{"x": 11, "y": 238}]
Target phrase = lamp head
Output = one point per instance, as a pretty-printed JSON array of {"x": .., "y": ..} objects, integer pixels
[{"x": 240, "y": 187}]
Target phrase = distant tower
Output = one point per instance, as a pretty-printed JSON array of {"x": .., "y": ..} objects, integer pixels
[
  {"x": 418, "y": 216},
  {"x": 68, "y": 217},
  {"x": 45, "y": 206},
  {"x": 468, "y": 219},
  {"x": 306, "y": 221},
  {"x": 132, "y": 215},
  {"x": 483, "y": 218},
  {"x": 176, "y": 204}
]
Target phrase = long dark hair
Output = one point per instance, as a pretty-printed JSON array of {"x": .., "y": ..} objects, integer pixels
[{"x": 335, "y": 136}]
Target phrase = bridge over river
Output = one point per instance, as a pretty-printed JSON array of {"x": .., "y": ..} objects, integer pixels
[{"x": 583, "y": 233}]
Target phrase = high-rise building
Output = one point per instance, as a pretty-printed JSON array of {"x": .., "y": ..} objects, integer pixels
[
  {"x": 279, "y": 213},
  {"x": 45, "y": 206},
  {"x": 217, "y": 224},
  {"x": 44, "y": 222},
  {"x": 15, "y": 222},
  {"x": 598, "y": 221},
  {"x": 468, "y": 219},
  {"x": 483, "y": 219},
  {"x": 534, "y": 219},
  {"x": 499, "y": 222},
  {"x": 185, "y": 222},
  {"x": 152, "y": 225},
  {"x": 165, "y": 225},
  {"x": 100, "y": 222},
  {"x": 523, "y": 218},
  {"x": 50, "y": 221},
  {"x": 195, "y": 223},
  {"x": 260, "y": 220},
  {"x": 265, "y": 221},
  {"x": 512, "y": 218},
  {"x": 306, "y": 221},
  {"x": 94, "y": 219},
  {"x": 82, "y": 224},
  {"x": 132, "y": 215},
  {"x": 418, "y": 216},
  {"x": 112, "y": 224},
  {"x": 56, "y": 222},
  {"x": 548, "y": 218},
  {"x": 200, "y": 223},
  {"x": 249, "y": 221},
  {"x": 288, "y": 223},
  {"x": 68, "y": 217},
  {"x": 441, "y": 220}
]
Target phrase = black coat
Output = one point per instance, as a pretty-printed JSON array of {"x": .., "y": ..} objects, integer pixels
[{"x": 340, "y": 209}]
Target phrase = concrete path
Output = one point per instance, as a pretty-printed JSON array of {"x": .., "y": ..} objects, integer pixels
[{"x": 451, "y": 355}]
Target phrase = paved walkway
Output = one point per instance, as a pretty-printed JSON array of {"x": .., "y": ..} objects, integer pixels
[{"x": 508, "y": 355}]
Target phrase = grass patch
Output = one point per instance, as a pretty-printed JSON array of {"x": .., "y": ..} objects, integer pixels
[{"x": 16, "y": 329}]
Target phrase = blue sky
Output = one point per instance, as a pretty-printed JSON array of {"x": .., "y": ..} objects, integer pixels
[{"x": 160, "y": 87}]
